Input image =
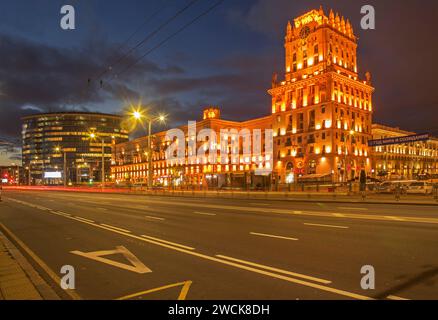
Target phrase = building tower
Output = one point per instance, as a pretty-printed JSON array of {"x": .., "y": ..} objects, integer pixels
[{"x": 322, "y": 111}]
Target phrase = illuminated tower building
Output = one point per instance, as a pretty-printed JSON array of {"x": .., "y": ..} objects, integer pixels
[{"x": 322, "y": 111}]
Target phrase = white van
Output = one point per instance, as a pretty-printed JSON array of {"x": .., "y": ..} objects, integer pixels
[{"x": 420, "y": 187}]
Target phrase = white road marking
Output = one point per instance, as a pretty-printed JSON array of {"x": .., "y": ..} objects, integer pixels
[
  {"x": 169, "y": 242},
  {"x": 299, "y": 275},
  {"x": 154, "y": 218},
  {"x": 117, "y": 228},
  {"x": 395, "y": 298},
  {"x": 352, "y": 208},
  {"x": 103, "y": 209},
  {"x": 204, "y": 213},
  {"x": 394, "y": 218},
  {"x": 272, "y": 236},
  {"x": 325, "y": 225},
  {"x": 87, "y": 220},
  {"x": 339, "y": 215},
  {"x": 136, "y": 265}
]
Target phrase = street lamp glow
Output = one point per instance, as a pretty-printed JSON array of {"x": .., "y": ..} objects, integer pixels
[
  {"x": 137, "y": 115},
  {"x": 92, "y": 135}
]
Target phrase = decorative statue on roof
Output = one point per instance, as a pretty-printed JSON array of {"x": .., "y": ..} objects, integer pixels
[
  {"x": 274, "y": 80},
  {"x": 368, "y": 77}
]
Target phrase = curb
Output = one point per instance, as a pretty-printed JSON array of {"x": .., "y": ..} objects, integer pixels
[{"x": 42, "y": 287}]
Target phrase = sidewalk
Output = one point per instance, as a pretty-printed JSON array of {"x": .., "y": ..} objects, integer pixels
[{"x": 18, "y": 279}]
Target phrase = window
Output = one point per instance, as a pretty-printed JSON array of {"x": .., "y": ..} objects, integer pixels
[{"x": 305, "y": 58}]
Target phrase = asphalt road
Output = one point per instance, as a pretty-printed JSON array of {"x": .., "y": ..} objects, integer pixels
[{"x": 169, "y": 248}]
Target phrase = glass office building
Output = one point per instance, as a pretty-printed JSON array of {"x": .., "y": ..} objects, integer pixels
[{"x": 69, "y": 147}]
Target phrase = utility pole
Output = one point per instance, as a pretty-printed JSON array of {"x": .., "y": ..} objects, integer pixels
[
  {"x": 103, "y": 161},
  {"x": 65, "y": 168},
  {"x": 150, "y": 172}
]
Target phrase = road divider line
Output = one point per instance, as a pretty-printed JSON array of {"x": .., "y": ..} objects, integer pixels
[
  {"x": 205, "y": 213},
  {"x": 117, "y": 228},
  {"x": 325, "y": 225},
  {"x": 298, "y": 275},
  {"x": 394, "y": 218},
  {"x": 72, "y": 293},
  {"x": 233, "y": 264},
  {"x": 155, "y": 218},
  {"x": 339, "y": 215},
  {"x": 272, "y": 236},
  {"x": 84, "y": 219},
  {"x": 395, "y": 298},
  {"x": 169, "y": 242}
]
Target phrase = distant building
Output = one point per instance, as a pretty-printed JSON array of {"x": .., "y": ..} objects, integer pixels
[
  {"x": 404, "y": 160},
  {"x": 11, "y": 175},
  {"x": 131, "y": 161},
  {"x": 53, "y": 140}
]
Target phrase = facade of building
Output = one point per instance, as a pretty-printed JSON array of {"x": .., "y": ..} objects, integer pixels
[
  {"x": 12, "y": 174},
  {"x": 321, "y": 122},
  {"x": 209, "y": 170},
  {"x": 406, "y": 160},
  {"x": 58, "y": 142},
  {"x": 322, "y": 110}
]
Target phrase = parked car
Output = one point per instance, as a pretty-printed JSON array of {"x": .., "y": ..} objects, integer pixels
[
  {"x": 420, "y": 187},
  {"x": 391, "y": 186}
]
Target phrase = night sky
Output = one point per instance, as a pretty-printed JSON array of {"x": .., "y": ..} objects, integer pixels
[{"x": 227, "y": 58}]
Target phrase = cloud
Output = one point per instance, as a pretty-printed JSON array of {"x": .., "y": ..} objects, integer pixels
[{"x": 36, "y": 77}]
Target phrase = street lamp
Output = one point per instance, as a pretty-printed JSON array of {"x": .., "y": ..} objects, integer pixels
[
  {"x": 351, "y": 135},
  {"x": 93, "y": 136},
  {"x": 58, "y": 149},
  {"x": 138, "y": 116}
]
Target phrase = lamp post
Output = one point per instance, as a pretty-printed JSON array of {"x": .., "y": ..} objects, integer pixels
[
  {"x": 58, "y": 149},
  {"x": 351, "y": 135},
  {"x": 102, "y": 140},
  {"x": 139, "y": 116}
]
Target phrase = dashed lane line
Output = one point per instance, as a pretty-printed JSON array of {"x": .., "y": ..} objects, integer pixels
[
  {"x": 155, "y": 218},
  {"x": 204, "y": 213},
  {"x": 272, "y": 236},
  {"x": 325, "y": 225}
]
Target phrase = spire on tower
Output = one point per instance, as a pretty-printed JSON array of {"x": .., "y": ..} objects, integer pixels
[
  {"x": 348, "y": 29},
  {"x": 337, "y": 22},
  {"x": 343, "y": 27},
  {"x": 331, "y": 18}
]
